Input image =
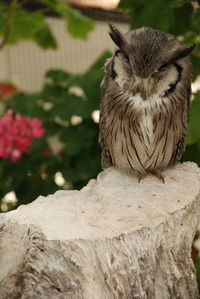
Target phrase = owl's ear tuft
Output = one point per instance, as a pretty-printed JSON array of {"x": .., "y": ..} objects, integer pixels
[
  {"x": 116, "y": 36},
  {"x": 183, "y": 52}
]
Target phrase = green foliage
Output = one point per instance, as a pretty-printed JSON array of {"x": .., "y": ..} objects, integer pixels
[
  {"x": 78, "y": 25},
  {"x": 17, "y": 24},
  {"x": 171, "y": 16},
  {"x": 193, "y": 135},
  {"x": 79, "y": 158}
]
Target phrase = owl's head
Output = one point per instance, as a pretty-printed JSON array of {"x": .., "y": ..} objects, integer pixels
[{"x": 148, "y": 53}]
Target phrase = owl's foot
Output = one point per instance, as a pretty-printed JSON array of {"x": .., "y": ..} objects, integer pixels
[
  {"x": 157, "y": 174},
  {"x": 141, "y": 176}
]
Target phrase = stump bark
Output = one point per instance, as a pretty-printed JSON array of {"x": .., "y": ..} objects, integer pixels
[{"x": 116, "y": 238}]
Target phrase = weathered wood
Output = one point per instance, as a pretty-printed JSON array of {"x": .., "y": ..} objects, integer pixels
[{"x": 116, "y": 238}]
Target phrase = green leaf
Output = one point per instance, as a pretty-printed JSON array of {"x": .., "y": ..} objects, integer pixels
[
  {"x": 89, "y": 82},
  {"x": 6, "y": 15},
  {"x": 194, "y": 132},
  {"x": 195, "y": 65},
  {"x": 131, "y": 4},
  {"x": 24, "y": 25},
  {"x": 181, "y": 19},
  {"x": 192, "y": 153},
  {"x": 58, "y": 76},
  {"x": 18, "y": 24},
  {"x": 25, "y": 104},
  {"x": 45, "y": 38},
  {"x": 196, "y": 19},
  {"x": 174, "y": 15},
  {"x": 78, "y": 24},
  {"x": 148, "y": 16},
  {"x": 128, "y": 4},
  {"x": 177, "y": 3}
]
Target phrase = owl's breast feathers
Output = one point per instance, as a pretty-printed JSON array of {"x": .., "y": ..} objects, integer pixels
[{"x": 143, "y": 122}]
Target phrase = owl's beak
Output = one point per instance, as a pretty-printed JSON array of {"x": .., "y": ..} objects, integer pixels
[
  {"x": 142, "y": 85},
  {"x": 141, "y": 88}
]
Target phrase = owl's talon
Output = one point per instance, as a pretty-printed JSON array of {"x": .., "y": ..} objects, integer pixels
[
  {"x": 141, "y": 176},
  {"x": 157, "y": 174}
]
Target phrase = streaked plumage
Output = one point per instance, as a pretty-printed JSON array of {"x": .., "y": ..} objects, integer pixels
[{"x": 145, "y": 101}]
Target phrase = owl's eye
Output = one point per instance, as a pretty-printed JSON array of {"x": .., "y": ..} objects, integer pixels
[
  {"x": 126, "y": 58},
  {"x": 162, "y": 68}
]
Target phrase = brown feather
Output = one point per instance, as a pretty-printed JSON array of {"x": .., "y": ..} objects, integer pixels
[{"x": 144, "y": 112}]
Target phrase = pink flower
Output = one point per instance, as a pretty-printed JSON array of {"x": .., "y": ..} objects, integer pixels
[
  {"x": 37, "y": 130},
  {"x": 16, "y": 135},
  {"x": 2, "y": 153},
  {"x": 15, "y": 155},
  {"x": 36, "y": 122},
  {"x": 37, "y": 133}
]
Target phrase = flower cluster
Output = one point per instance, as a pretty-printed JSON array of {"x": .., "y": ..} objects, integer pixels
[{"x": 16, "y": 135}]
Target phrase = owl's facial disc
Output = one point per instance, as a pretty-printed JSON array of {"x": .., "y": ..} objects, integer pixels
[
  {"x": 162, "y": 81},
  {"x": 147, "y": 61}
]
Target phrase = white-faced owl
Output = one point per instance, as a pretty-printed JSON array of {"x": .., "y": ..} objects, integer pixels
[{"x": 145, "y": 101}]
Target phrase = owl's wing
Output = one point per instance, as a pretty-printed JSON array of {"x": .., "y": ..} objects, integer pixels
[
  {"x": 106, "y": 159},
  {"x": 179, "y": 149},
  {"x": 180, "y": 145}
]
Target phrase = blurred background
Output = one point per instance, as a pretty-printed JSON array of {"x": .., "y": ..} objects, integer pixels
[
  {"x": 51, "y": 58},
  {"x": 26, "y": 62}
]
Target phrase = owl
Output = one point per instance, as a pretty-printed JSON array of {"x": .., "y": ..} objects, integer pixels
[{"x": 145, "y": 102}]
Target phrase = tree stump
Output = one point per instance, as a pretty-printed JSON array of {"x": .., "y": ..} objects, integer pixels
[{"x": 116, "y": 238}]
